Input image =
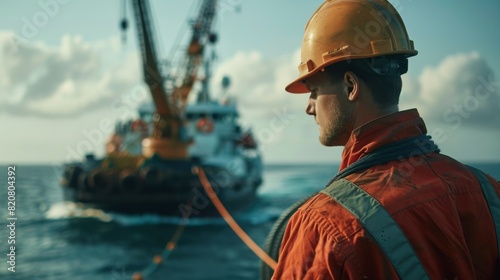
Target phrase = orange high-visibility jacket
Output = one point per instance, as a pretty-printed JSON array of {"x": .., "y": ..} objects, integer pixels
[{"x": 436, "y": 201}]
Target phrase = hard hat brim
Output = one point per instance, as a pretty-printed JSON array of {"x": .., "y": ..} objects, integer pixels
[{"x": 298, "y": 86}]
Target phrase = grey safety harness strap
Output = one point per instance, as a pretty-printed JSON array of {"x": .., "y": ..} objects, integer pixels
[
  {"x": 492, "y": 199},
  {"x": 379, "y": 223}
]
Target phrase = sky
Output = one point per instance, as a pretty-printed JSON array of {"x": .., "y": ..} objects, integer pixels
[{"x": 66, "y": 76}]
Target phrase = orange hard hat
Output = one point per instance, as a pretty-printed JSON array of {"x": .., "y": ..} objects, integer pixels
[{"x": 350, "y": 29}]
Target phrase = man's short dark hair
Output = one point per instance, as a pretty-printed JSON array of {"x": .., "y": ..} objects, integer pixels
[{"x": 386, "y": 88}]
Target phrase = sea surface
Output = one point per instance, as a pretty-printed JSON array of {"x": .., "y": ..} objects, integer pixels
[{"x": 59, "y": 240}]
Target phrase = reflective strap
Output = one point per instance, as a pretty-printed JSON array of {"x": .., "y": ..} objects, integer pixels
[
  {"x": 491, "y": 198},
  {"x": 380, "y": 225}
]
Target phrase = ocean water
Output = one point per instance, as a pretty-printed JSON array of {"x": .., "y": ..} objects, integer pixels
[{"x": 59, "y": 240}]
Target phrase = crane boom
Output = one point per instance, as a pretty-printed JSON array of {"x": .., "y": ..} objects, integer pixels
[
  {"x": 201, "y": 35},
  {"x": 168, "y": 139},
  {"x": 152, "y": 75}
]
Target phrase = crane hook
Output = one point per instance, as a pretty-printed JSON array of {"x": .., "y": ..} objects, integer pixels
[{"x": 124, "y": 21}]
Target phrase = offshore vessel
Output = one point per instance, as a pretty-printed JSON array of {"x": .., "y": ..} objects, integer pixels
[{"x": 149, "y": 161}]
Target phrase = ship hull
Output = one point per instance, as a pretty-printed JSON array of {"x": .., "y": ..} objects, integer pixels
[{"x": 172, "y": 189}]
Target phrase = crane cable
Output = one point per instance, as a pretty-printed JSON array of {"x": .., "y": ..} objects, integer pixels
[{"x": 231, "y": 222}]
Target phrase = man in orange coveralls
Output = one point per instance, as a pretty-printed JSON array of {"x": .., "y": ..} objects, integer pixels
[{"x": 398, "y": 209}]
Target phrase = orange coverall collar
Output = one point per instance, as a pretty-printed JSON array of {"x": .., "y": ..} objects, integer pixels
[{"x": 380, "y": 132}]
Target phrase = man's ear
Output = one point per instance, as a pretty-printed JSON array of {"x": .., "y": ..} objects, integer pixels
[{"x": 352, "y": 85}]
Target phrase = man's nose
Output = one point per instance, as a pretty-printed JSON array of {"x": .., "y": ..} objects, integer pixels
[{"x": 310, "y": 108}]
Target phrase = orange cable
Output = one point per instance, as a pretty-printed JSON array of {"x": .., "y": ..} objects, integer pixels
[
  {"x": 159, "y": 259},
  {"x": 232, "y": 223}
]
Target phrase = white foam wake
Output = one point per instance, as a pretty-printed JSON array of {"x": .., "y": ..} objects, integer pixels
[{"x": 68, "y": 210}]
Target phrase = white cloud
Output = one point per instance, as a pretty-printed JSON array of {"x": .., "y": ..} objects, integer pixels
[
  {"x": 258, "y": 82},
  {"x": 461, "y": 90},
  {"x": 71, "y": 79}
]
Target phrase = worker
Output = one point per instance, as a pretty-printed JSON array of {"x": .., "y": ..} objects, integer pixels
[{"x": 398, "y": 208}]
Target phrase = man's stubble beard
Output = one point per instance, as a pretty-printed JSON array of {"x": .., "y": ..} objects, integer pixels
[{"x": 339, "y": 128}]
